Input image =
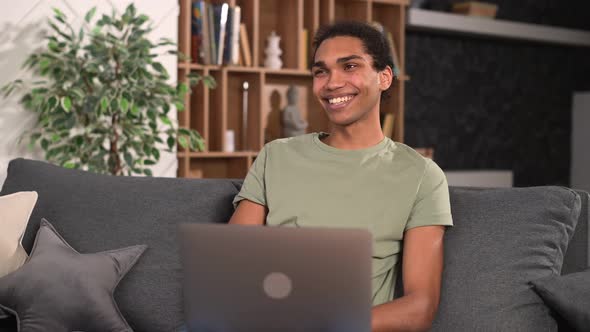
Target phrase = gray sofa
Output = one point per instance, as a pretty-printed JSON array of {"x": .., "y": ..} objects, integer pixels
[{"x": 502, "y": 240}]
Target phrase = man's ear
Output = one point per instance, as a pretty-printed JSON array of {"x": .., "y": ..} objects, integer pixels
[{"x": 384, "y": 79}]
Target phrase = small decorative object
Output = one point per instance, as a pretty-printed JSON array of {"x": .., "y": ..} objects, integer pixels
[
  {"x": 293, "y": 124},
  {"x": 475, "y": 8},
  {"x": 426, "y": 152},
  {"x": 230, "y": 139},
  {"x": 245, "y": 87},
  {"x": 273, "y": 52}
]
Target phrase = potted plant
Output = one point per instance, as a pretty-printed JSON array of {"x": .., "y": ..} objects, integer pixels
[{"x": 102, "y": 98}]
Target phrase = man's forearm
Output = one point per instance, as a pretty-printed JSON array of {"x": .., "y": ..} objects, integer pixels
[{"x": 412, "y": 312}]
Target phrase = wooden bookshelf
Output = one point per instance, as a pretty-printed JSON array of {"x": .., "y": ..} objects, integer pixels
[{"x": 212, "y": 112}]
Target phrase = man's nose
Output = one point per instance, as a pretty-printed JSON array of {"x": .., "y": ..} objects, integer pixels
[{"x": 335, "y": 80}]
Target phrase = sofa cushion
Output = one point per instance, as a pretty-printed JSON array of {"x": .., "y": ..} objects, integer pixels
[
  {"x": 502, "y": 240},
  {"x": 59, "y": 289},
  {"x": 569, "y": 296},
  {"x": 15, "y": 210},
  {"x": 101, "y": 212}
]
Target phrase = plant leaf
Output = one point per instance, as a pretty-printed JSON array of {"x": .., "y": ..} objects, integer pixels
[
  {"x": 124, "y": 103},
  {"x": 134, "y": 109},
  {"x": 183, "y": 141},
  {"x": 66, "y": 103},
  {"x": 170, "y": 141},
  {"x": 156, "y": 153},
  {"x": 104, "y": 104},
  {"x": 165, "y": 120},
  {"x": 90, "y": 14}
]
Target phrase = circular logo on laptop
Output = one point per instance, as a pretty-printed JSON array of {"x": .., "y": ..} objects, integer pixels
[{"x": 277, "y": 285}]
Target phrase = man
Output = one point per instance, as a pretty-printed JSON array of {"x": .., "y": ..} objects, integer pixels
[{"x": 353, "y": 176}]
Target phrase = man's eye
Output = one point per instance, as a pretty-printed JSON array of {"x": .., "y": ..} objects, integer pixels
[
  {"x": 319, "y": 72},
  {"x": 350, "y": 66}
]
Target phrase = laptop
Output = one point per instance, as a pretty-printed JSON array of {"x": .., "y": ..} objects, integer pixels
[{"x": 241, "y": 278}]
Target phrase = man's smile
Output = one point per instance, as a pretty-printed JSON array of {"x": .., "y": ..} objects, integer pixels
[{"x": 335, "y": 102}]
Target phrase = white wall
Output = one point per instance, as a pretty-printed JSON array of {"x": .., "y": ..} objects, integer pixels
[
  {"x": 580, "y": 165},
  {"x": 20, "y": 33}
]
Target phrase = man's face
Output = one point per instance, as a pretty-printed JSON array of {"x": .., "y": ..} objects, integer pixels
[{"x": 345, "y": 82}]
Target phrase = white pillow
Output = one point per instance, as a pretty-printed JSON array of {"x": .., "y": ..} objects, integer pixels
[{"x": 15, "y": 210}]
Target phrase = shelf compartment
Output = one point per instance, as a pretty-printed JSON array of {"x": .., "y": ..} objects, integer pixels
[
  {"x": 286, "y": 19},
  {"x": 352, "y": 10},
  {"x": 250, "y": 17},
  {"x": 274, "y": 100},
  {"x": 233, "y": 168},
  {"x": 216, "y": 111},
  {"x": 196, "y": 111},
  {"x": 235, "y": 81},
  {"x": 393, "y": 20}
]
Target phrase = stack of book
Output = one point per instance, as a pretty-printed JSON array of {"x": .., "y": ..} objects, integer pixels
[{"x": 216, "y": 34}]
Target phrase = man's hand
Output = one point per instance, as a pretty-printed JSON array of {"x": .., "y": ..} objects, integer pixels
[
  {"x": 249, "y": 213},
  {"x": 422, "y": 273}
]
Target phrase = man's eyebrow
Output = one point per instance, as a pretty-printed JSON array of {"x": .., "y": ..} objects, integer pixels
[
  {"x": 340, "y": 60},
  {"x": 319, "y": 64},
  {"x": 348, "y": 58}
]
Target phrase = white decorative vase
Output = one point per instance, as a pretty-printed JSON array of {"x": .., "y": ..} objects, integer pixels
[{"x": 273, "y": 52}]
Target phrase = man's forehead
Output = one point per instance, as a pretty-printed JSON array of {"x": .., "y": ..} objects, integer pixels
[{"x": 341, "y": 48}]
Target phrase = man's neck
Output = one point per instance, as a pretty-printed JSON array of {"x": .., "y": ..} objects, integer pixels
[{"x": 354, "y": 137}]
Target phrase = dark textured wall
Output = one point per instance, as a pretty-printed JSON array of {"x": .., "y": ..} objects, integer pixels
[{"x": 498, "y": 104}]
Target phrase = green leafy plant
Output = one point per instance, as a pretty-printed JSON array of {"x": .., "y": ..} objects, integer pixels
[{"x": 102, "y": 98}]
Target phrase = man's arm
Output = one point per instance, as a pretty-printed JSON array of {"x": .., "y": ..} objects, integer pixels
[
  {"x": 422, "y": 273},
  {"x": 249, "y": 213}
]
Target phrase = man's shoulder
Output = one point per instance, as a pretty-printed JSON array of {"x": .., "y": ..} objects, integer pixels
[
  {"x": 295, "y": 142},
  {"x": 408, "y": 154}
]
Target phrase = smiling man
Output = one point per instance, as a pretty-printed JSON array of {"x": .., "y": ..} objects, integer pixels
[{"x": 355, "y": 177}]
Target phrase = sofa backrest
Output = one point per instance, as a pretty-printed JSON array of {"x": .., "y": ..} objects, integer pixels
[
  {"x": 99, "y": 212},
  {"x": 577, "y": 257}
]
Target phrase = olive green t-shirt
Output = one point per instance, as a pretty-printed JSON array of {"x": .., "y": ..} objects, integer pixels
[{"x": 387, "y": 188}]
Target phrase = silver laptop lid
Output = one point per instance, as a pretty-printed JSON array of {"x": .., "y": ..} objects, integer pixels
[{"x": 253, "y": 278}]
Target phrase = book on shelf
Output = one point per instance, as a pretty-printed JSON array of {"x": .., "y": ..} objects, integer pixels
[
  {"x": 212, "y": 34},
  {"x": 394, "y": 53},
  {"x": 196, "y": 32},
  {"x": 225, "y": 59},
  {"x": 389, "y": 36},
  {"x": 200, "y": 45},
  {"x": 387, "y": 124},
  {"x": 303, "y": 49},
  {"x": 220, "y": 11},
  {"x": 233, "y": 44},
  {"x": 245, "y": 46}
]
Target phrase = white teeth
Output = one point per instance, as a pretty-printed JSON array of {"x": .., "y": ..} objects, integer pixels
[{"x": 339, "y": 100}]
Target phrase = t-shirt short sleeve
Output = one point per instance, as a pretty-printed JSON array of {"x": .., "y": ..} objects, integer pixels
[
  {"x": 254, "y": 186},
  {"x": 432, "y": 206}
]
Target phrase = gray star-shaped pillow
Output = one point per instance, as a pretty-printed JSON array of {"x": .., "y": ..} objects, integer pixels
[{"x": 59, "y": 289}]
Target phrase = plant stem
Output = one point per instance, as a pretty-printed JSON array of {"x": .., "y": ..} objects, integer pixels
[{"x": 116, "y": 167}]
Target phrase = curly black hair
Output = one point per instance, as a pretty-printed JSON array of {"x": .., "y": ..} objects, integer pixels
[{"x": 374, "y": 41}]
